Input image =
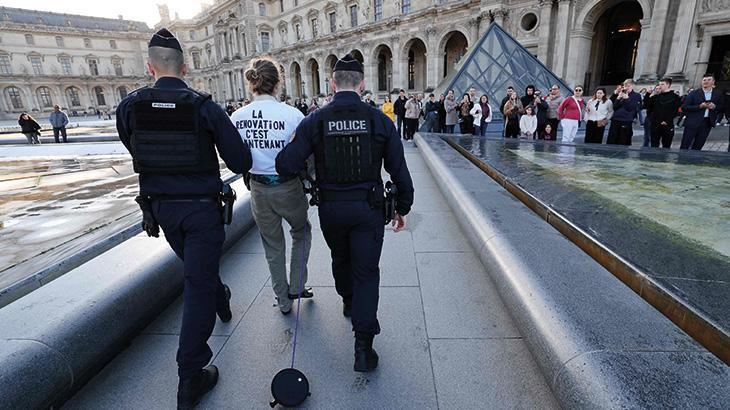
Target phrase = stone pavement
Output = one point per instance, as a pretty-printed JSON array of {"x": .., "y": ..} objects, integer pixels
[{"x": 447, "y": 340}]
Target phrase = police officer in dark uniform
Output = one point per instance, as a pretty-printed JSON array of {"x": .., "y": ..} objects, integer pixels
[
  {"x": 351, "y": 141},
  {"x": 172, "y": 133}
]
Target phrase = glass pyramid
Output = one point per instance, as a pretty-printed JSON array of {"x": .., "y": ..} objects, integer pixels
[{"x": 497, "y": 62}]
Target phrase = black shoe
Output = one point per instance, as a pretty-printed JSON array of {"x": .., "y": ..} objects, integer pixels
[
  {"x": 306, "y": 294},
  {"x": 189, "y": 392},
  {"x": 224, "y": 306},
  {"x": 347, "y": 306},
  {"x": 366, "y": 359}
]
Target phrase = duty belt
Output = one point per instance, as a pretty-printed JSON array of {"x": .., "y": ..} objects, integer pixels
[
  {"x": 272, "y": 180},
  {"x": 349, "y": 195},
  {"x": 185, "y": 198}
]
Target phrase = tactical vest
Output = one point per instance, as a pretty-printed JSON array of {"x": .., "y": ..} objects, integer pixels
[
  {"x": 348, "y": 152},
  {"x": 166, "y": 135}
]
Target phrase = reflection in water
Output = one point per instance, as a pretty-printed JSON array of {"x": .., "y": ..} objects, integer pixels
[
  {"x": 692, "y": 200},
  {"x": 51, "y": 207}
]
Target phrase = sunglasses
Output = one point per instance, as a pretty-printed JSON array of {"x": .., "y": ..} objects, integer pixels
[{"x": 578, "y": 89}]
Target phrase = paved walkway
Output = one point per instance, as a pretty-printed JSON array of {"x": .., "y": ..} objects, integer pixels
[{"x": 447, "y": 340}]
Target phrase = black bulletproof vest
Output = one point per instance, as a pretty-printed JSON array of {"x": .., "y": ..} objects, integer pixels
[
  {"x": 348, "y": 152},
  {"x": 166, "y": 135}
]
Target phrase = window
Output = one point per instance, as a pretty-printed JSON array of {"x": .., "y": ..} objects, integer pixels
[
  {"x": 100, "y": 100},
  {"x": 123, "y": 92},
  {"x": 118, "y": 67},
  {"x": 44, "y": 97},
  {"x": 13, "y": 94},
  {"x": 5, "y": 67},
  {"x": 35, "y": 62},
  {"x": 262, "y": 9},
  {"x": 314, "y": 27},
  {"x": 378, "y": 8},
  {"x": 191, "y": 34},
  {"x": 333, "y": 22},
  {"x": 113, "y": 44},
  {"x": 207, "y": 32},
  {"x": 29, "y": 39},
  {"x": 265, "y": 41},
  {"x": 196, "y": 60},
  {"x": 72, "y": 93},
  {"x": 93, "y": 67},
  {"x": 298, "y": 31},
  {"x": 281, "y": 5},
  {"x": 296, "y": 3},
  {"x": 405, "y": 7},
  {"x": 353, "y": 15},
  {"x": 60, "y": 42},
  {"x": 87, "y": 42},
  {"x": 65, "y": 65}
]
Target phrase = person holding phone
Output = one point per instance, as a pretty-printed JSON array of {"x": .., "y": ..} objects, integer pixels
[{"x": 700, "y": 109}]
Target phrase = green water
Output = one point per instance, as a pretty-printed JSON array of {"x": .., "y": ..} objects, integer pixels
[{"x": 692, "y": 200}]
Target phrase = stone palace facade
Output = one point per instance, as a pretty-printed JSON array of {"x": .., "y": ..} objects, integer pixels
[
  {"x": 80, "y": 63},
  {"x": 410, "y": 44}
]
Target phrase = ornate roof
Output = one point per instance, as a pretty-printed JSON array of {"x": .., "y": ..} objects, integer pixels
[{"x": 46, "y": 18}]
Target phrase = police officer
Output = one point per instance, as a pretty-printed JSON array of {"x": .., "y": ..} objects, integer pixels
[
  {"x": 351, "y": 141},
  {"x": 172, "y": 133}
]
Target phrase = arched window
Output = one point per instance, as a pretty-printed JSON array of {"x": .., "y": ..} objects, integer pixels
[
  {"x": 15, "y": 98},
  {"x": 122, "y": 92},
  {"x": 44, "y": 97},
  {"x": 100, "y": 100},
  {"x": 72, "y": 93}
]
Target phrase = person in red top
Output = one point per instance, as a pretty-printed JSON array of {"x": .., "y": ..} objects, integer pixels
[{"x": 570, "y": 112}]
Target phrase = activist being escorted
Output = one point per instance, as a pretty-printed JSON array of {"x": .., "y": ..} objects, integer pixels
[
  {"x": 266, "y": 126},
  {"x": 172, "y": 132},
  {"x": 351, "y": 141}
]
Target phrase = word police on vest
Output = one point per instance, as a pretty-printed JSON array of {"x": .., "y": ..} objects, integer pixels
[
  {"x": 347, "y": 126},
  {"x": 163, "y": 105}
]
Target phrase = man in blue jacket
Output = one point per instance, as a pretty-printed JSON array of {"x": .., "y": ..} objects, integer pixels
[
  {"x": 59, "y": 121},
  {"x": 700, "y": 109},
  {"x": 175, "y": 135},
  {"x": 351, "y": 142},
  {"x": 626, "y": 106}
]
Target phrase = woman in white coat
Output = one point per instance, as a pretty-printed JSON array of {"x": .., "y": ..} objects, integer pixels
[{"x": 482, "y": 113}]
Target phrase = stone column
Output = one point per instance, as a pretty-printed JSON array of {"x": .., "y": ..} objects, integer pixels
[
  {"x": 578, "y": 55},
  {"x": 400, "y": 67},
  {"x": 561, "y": 37},
  {"x": 642, "y": 51},
  {"x": 680, "y": 40},
  {"x": 499, "y": 16},
  {"x": 432, "y": 60},
  {"x": 654, "y": 40},
  {"x": 543, "y": 49}
]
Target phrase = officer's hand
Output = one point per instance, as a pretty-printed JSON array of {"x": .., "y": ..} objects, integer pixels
[{"x": 399, "y": 223}]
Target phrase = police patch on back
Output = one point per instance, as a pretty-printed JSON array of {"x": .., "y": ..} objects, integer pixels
[{"x": 344, "y": 127}]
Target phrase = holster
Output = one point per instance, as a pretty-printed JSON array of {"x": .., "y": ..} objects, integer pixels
[
  {"x": 149, "y": 223},
  {"x": 228, "y": 198},
  {"x": 391, "y": 200}
]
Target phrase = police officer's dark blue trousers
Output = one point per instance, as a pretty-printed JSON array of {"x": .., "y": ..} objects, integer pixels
[
  {"x": 354, "y": 234},
  {"x": 195, "y": 232}
]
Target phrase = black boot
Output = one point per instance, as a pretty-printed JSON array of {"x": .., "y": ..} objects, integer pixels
[
  {"x": 306, "y": 294},
  {"x": 190, "y": 391},
  {"x": 223, "y": 307},
  {"x": 366, "y": 359},
  {"x": 347, "y": 306}
]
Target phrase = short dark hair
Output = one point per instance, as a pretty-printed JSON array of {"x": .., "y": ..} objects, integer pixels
[
  {"x": 348, "y": 79},
  {"x": 666, "y": 80},
  {"x": 402, "y": 90},
  {"x": 431, "y": 95},
  {"x": 709, "y": 75},
  {"x": 510, "y": 88}
]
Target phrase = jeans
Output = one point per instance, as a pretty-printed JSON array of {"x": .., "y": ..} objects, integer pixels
[
  {"x": 647, "y": 132},
  {"x": 449, "y": 128},
  {"x": 62, "y": 131}
]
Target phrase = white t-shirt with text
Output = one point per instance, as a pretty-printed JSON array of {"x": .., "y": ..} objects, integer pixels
[{"x": 266, "y": 126}]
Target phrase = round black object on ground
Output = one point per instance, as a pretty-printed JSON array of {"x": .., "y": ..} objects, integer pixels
[{"x": 290, "y": 388}]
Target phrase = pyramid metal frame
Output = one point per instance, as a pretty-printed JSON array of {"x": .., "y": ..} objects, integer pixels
[{"x": 512, "y": 65}]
